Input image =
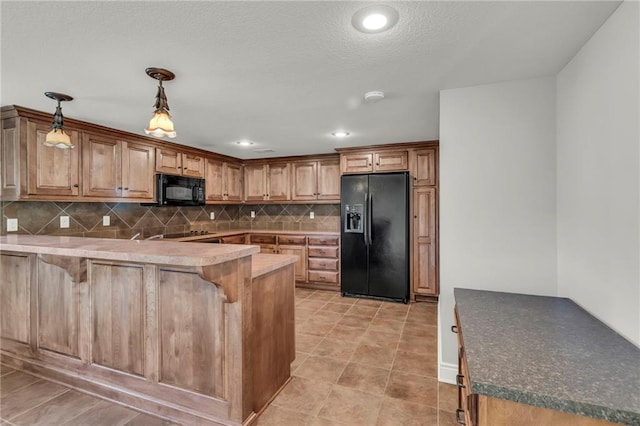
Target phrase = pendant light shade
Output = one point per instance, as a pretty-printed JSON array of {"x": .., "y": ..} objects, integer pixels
[
  {"x": 57, "y": 137},
  {"x": 160, "y": 124}
]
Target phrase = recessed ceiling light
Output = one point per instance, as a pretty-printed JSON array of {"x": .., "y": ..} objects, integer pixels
[
  {"x": 340, "y": 134},
  {"x": 375, "y": 19},
  {"x": 261, "y": 150},
  {"x": 374, "y": 96},
  {"x": 244, "y": 142}
]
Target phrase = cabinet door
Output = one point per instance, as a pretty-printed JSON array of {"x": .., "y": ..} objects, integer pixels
[
  {"x": 304, "y": 181},
  {"x": 168, "y": 161},
  {"x": 255, "y": 183},
  {"x": 192, "y": 165},
  {"x": 51, "y": 171},
  {"x": 278, "y": 182},
  {"x": 328, "y": 180},
  {"x": 357, "y": 163},
  {"x": 388, "y": 161},
  {"x": 214, "y": 181},
  {"x": 300, "y": 267},
  {"x": 424, "y": 241},
  {"x": 233, "y": 182},
  {"x": 100, "y": 166},
  {"x": 10, "y": 159},
  {"x": 138, "y": 164},
  {"x": 425, "y": 171}
]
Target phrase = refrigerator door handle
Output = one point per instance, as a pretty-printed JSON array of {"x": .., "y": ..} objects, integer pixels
[
  {"x": 365, "y": 220},
  {"x": 369, "y": 217}
]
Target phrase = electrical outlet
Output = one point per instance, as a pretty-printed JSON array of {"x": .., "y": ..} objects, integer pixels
[
  {"x": 106, "y": 220},
  {"x": 253, "y": 214},
  {"x": 64, "y": 221},
  {"x": 312, "y": 215},
  {"x": 12, "y": 225},
  {"x": 212, "y": 215}
]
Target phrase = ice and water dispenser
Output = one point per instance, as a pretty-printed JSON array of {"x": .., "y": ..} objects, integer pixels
[{"x": 354, "y": 218}]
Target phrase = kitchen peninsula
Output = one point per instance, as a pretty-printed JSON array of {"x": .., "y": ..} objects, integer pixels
[{"x": 168, "y": 328}]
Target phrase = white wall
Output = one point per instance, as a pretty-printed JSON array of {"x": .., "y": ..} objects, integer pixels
[
  {"x": 598, "y": 174},
  {"x": 498, "y": 194}
]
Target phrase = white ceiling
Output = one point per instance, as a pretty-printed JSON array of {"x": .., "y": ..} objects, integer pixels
[{"x": 284, "y": 74}]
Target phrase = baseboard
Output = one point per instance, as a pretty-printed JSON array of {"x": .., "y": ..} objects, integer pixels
[{"x": 447, "y": 373}]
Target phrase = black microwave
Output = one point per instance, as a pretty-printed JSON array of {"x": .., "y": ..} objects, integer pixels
[{"x": 179, "y": 191}]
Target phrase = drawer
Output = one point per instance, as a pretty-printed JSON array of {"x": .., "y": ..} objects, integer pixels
[
  {"x": 319, "y": 263},
  {"x": 331, "y": 252},
  {"x": 233, "y": 239},
  {"x": 323, "y": 276},
  {"x": 296, "y": 240},
  {"x": 262, "y": 239},
  {"x": 323, "y": 240}
]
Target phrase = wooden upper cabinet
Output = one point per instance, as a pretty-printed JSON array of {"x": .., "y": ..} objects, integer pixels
[
  {"x": 425, "y": 167},
  {"x": 51, "y": 171},
  {"x": 115, "y": 168},
  {"x": 223, "y": 181},
  {"x": 316, "y": 180},
  {"x": 174, "y": 162},
  {"x": 424, "y": 242},
  {"x": 278, "y": 188},
  {"x": 361, "y": 162},
  {"x": 255, "y": 182},
  {"x": 10, "y": 159},
  {"x": 377, "y": 161},
  {"x": 100, "y": 166}
]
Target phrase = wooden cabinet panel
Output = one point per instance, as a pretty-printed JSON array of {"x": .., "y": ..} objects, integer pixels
[
  {"x": 330, "y": 252},
  {"x": 323, "y": 276},
  {"x": 233, "y": 181},
  {"x": 386, "y": 161},
  {"x": 214, "y": 180},
  {"x": 51, "y": 171},
  {"x": 328, "y": 180},
  {"x": 323, "y": 264},
  {"x": 424, "y": 241},
  {"x": 255, "y": 183},
  {"x": 192, "y": 165},
  {"x": 357, "y": 162},
  {"x": 324, "y": 240},
  {"x": 304, "y": 181},
  {"x": 137, "y": 174},
  {"x": 192, "y": 333},
  {"x": 300, "y": 267},
  {"x": 58, "y": 329},
  {"x": 278, "y": 187},
  {"x": 425, "y": 167},
  {"x": 268, "y": 248},
  {"x": 168, "y": 161},
  {"x": 15, "y": 297},
  {"x": 117, "y": 300},
  {"x": 100, "y": 166},
  {"x": 292, "y": 239},
  {"x": 10, "y": 159},
  {"x": 262, "y": 239},
  {"x": 233, "y": 239}
]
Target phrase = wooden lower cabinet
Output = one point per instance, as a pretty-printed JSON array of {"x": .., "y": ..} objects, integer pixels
[
  {"x": 300, "y": 266},
  {"x": 424, "y": 242},
  {"x": 324, "y": 268}
]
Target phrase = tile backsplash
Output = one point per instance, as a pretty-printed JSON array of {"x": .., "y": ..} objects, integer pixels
[{"x": 85, "y": 219}]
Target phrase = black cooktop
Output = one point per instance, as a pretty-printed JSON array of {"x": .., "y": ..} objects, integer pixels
[{"x": 186, "y": 234}]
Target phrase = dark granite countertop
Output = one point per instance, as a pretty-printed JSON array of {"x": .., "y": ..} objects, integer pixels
[{"x": 548, "y": 352}]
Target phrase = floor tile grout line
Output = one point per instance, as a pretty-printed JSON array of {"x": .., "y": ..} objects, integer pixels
[{"x": 38, "y": 405}]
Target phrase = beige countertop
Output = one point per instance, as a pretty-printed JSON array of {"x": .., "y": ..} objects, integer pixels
[
  {"x": 250, "y": 231},
  {"x": 163, "y": 253},
  {"x": 262, "y": 263}
]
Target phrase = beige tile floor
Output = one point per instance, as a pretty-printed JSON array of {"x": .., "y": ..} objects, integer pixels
[
  {"x": 363, "y": 362},
  {"x": 358, "y": 362}
]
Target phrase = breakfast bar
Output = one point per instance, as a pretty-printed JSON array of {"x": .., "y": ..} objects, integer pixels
[{"x": 171, "y": 328}]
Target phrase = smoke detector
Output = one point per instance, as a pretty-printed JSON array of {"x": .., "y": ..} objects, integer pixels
[{"x": 374, "y": 96}]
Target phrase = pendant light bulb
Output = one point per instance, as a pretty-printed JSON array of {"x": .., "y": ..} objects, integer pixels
[{"x": 160, "y": 124}]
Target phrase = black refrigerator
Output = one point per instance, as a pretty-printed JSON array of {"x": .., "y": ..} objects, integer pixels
[{"x": 374, "y": 236}]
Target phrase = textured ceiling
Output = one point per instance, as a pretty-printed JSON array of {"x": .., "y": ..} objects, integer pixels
[{"x": 284, "y": 74}]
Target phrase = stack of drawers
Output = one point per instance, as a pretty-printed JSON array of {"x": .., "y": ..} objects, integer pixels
[
  {"x": 467, "y": 402},
  {"x": 323, "y": 261}
]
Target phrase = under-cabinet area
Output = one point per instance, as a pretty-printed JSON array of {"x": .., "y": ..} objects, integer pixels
[{"x": 537, "y": 360}]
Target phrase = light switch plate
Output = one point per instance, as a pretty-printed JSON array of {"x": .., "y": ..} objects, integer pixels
[
  {"x": 312, "y": 215},
  {"x": 106, "y": 220},
  {"x": 253, "y": 214},
  {"x": 212, "y": 215},
  {"x": 12, "y": 225},
  {"x": 64, "y": 221}
]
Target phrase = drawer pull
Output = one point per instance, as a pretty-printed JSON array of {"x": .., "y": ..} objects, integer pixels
[
  {"x": 459, "y": 419},
  {"x": 459, "y": 379},
  {"x": 454, "y": 329}
]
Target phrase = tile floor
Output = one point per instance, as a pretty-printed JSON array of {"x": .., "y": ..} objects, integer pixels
[{"x": 359, "y": 362}]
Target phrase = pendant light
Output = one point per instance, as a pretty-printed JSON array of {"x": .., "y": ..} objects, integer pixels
[
  {"x": 57, "y": 137},
  {"x": 160, "y": 124}
]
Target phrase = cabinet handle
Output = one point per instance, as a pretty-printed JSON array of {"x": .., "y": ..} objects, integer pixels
[
  {"x": 458, "y": 419},
  {"x": 377, "y": 164},
  {"x": 186, "y": 168},
  {"x": 179, "y": 167},
  {"x": 415, "y": 217},
  {"x": 454, "y": 329},
  {"x": 75, "y": 185},
  {"x": 459, "y": 378},
  {"x": 126, "y": 189},
  {"x": 119, "y": 188},
  {"x": 369, "y": 164}
]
